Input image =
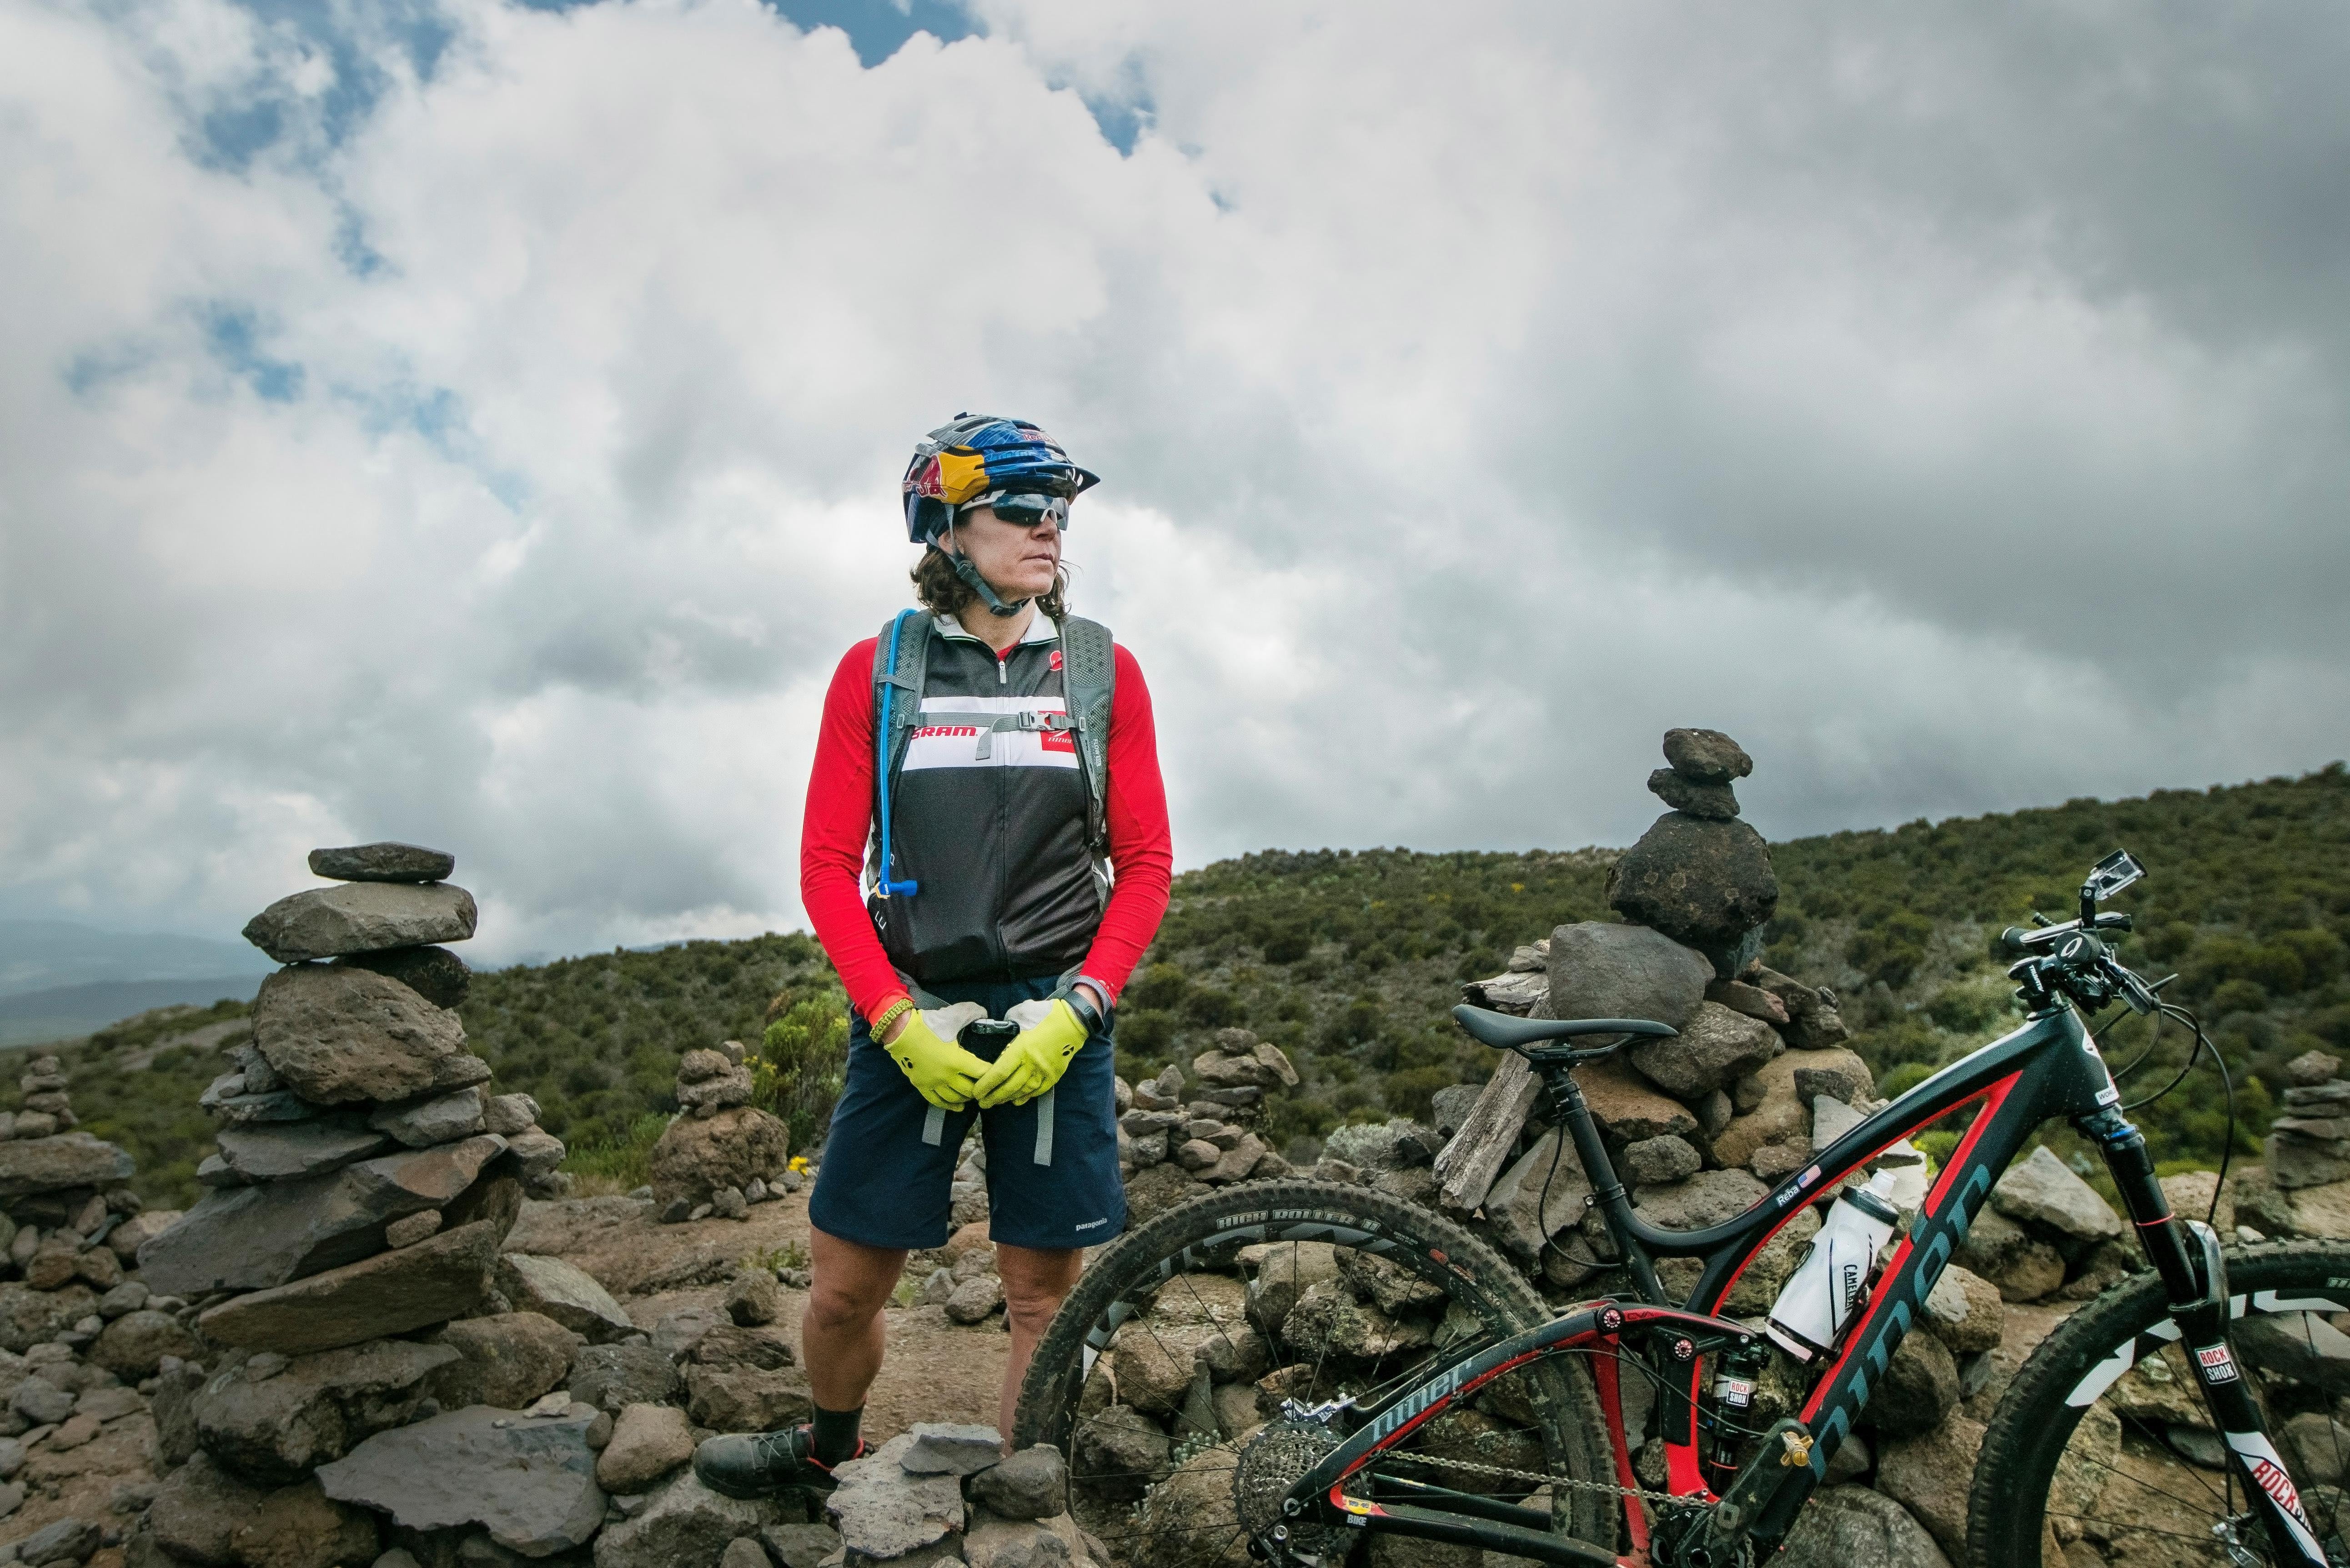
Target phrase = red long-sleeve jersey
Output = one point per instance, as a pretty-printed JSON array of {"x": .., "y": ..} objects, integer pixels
[{"x": 839, "y": 822}]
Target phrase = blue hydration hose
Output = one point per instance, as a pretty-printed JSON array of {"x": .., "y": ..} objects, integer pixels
[{"x": 881, "y": 763}]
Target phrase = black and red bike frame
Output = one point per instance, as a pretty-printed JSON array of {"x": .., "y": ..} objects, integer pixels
[{"x": 2050, "y": 1068}]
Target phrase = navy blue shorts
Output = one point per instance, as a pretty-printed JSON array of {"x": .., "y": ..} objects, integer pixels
[{"x": 880, "y": 1185}]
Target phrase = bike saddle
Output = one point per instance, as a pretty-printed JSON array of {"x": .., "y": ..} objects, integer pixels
[{"x": 1505, "y": 1033}]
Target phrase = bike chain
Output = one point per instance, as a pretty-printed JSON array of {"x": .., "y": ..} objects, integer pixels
[{"x": 1666, "y": 1499}]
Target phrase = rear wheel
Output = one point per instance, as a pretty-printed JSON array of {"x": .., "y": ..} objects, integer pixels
[
  {"x": 1164, "y": 1376},
  {"x": 2102, "y": 1445}
]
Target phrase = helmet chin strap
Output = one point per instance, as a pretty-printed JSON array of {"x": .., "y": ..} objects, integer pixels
[{"x": 979, "y": 584}]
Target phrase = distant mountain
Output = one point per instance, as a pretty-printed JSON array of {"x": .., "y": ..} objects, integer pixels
[
  {"x": 49, "y": 955},
  {"x": 69, "y": 1012}
]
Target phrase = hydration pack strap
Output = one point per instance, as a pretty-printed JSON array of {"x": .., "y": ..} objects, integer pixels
[{"x": 1089, "y": 690}]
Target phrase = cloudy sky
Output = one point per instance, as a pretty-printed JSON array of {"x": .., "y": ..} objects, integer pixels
[{"x": 480, "y": 424}]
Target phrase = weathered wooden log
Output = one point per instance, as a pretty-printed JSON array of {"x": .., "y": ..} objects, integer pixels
[
  {"x": 1518, "y": 992},
  {"x": 1466, "y": 1168}
]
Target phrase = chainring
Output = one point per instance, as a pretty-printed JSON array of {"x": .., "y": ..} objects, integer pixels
[{"x": 1272, "y": 1461}]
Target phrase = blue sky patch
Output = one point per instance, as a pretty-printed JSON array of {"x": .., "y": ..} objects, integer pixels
[{"x": 231, "y": 332}]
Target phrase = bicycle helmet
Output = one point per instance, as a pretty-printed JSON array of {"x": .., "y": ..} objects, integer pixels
[{"x": 981, "y": 460}]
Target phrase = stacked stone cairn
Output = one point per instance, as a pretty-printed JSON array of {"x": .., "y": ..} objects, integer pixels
[
  {"x": 79, "y": 1341},
  {"x": 720, "y": 1154},
  {"x": 1176, "y": 1140},
  {"x": 2309, "y": 1146}
]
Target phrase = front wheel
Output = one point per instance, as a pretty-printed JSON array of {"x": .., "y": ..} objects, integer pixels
[
  {"x": 1169, "y": 1373},
  {"x": 2101, "y": 1450}
]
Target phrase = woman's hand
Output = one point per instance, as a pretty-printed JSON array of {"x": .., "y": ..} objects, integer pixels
[
  {"x": 1035, "y": 1060},
  {"x": 942, "y": 1071}
]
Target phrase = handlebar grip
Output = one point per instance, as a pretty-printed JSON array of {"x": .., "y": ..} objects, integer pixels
[{"x": 2014, "y": 941}]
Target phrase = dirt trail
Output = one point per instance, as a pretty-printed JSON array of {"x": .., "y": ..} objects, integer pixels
[{"x": 937, "y": 1370}]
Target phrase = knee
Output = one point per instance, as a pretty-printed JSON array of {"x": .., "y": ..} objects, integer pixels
[
  {"x": 836, "y": 1307},
  {"x": 1030, "y": 1305}
]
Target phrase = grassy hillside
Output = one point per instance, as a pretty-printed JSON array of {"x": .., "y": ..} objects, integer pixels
[{"x": 1351, "y": 959}]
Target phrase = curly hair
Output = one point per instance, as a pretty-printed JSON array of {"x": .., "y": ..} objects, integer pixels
[{"x": 942, "y": 593}]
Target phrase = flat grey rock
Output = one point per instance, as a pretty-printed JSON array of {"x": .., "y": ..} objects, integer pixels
[
  {"x": 611, "y": 1377},
  {"x": 1831, "y": 1120},
  {"x": 2043, "y": 1191},
  {"x": 881, "y": 1511},
  {"x": 1716, "y": 1047},
  {"x": 436, "y": 974},
  {"x": 230, "y": 1104},
  {"x": 337, "y": 1035},
  {"x": 441, "y": 1120},
  {"x": 292, "y": 1149},
  {"x": 362, "y": 916},
  {"x": 530, "y": 1482},
  {"x": 564, "y": 1292},
  {"x": 684, "y": 1522},
  {"x": 440, "y": 1278},
  {"x": 253, "y": 1238},
  {"x": 384, "y": 862},
  {"x": 1031, "y": 1484},
  {"x": 1598, "y": 970},
  {"x": 68, "y": 1159},
  {"x": 941, "y": 1448},
  {"x": 310, "y": 1409}
]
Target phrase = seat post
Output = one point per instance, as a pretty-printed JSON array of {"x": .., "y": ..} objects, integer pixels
[{"x": 1571, "y": 1111}]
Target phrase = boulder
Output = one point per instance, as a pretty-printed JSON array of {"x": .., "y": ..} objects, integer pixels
[
  {"x": 800, "y": 1545},
  {"x": 612, "y": 1377},
  {"x": 1708, "y": 1197},
  {"x": 1388, "y": 1285},
  {"x": 284, "y": 1151},
  {"x": 726, "y": 1344},
  {"x": 1628, "y": 1107},
  {"x": 1964, "y": 1311},
  {"x": 252, "y": 1237},
  {"x": 383, "y": 862},
  {"x": 337, "y": 1035},
  {"x": 2042, "y": 1193},
  {"x": 28, "y": 1166},
  {"x": 1189, "y": 1520},
  {"x": 684, "y": 1522},
  {"x": 136, "y": 1232},
  {"x": 1919, "y": 1388},
  {"x": 442, "y": 1118},
  {"x": 1241, "y": 1059},
  {"x": 2305, "y": 1346},
  {"x": 1778, "y": 1110},
  {"x": 436, "y": 974},
  {"x": 202, "y": 1515},
  {"x": 1700, "y": 882},
  {"x": 1327, "y": 1322},
  {"x": 698, "y": 1155},
  {"x": 1281, "y": 1271},
  {"x": 1770, "y": 1269},
  {"x": 67, "y": 1539},
  {"x": 882, "y": 1512},
  {"x": 1014, "y": 1543},
  {"x": 362, "y": 916},
  {"x": 1931, "y": 1474},
  {"x": 973, "y": 1299},
  {"x": 1120, "y": 1453},
  {"x": 564, "y": 1292},
  {"x": 28, "y": 1317},
  {"x": 1715, "y": 1048},
  {"x": 509, "y": 1115},
  {"x": 649, "y": 1442},
  {"x": 438, "y": 1279},
  {"x": 134, "y": 1345},
  {"x": 530, "y": 1482},
  {"x": 732, "y": 1087},
  {"x": 1849, "y": 1526},
  {"x": 1396, "y": 1143},
  {"x": 508, "y": 1359},
  {"x": 1540, "y": 1195},
  {"x": 2000, "y": 1250},
  {"x": 1750, "y": 1000},
  {"x": 753, "y": 1297},
  {"x": 747, "y": 1398},
  {"x": 273, "y": 1420},
  {"x": 1031, "y": 1484},
  {"x": 1706, "y": 756},
  {"x": 1599, "y": 969},
  {"x": 1657, "y": 1160},
  {"x": 1713, "y": 802},
  {"x": 1813, "y": 1023}
]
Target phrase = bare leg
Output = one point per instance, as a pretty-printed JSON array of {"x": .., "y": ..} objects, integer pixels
[
  {"x": 1034, "y": 1282},
  {"x": 841, "y": 1338}
]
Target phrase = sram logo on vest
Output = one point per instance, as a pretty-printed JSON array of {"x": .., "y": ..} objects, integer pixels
[{"x": 991, "y": 732}]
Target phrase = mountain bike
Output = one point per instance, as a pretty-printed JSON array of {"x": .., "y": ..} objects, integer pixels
[{"x": 1291, "y": 1370}]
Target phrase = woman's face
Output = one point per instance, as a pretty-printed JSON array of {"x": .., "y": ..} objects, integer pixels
[{"x": 1018, "y": 563}]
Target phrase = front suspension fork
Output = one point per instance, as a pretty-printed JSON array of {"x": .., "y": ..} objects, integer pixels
[{"x": 2194, "y": 1278}]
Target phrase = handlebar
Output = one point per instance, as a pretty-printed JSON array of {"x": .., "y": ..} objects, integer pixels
[
  {"x": 2080, "y": 967},
  {"x": 2020, "y": 939}
]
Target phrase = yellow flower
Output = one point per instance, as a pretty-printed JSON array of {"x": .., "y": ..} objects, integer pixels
[{"x": 799, "y": 1162}]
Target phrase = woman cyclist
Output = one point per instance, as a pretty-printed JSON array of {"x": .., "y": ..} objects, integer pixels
[{"x": 1017, "y": 872}]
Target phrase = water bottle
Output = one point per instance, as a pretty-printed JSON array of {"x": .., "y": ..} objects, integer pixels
[{"x": 1813, "y": 1309}]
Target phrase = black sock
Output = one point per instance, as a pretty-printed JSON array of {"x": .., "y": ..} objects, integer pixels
[{"x": 836, "y": 1434}]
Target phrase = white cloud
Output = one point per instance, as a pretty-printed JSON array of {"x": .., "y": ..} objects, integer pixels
[{"x": 502, "y": 454}]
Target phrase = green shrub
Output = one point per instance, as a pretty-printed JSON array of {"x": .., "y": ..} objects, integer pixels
[{"x": 802, "y": 1063}]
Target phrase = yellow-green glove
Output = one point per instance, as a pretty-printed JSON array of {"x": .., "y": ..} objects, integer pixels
[
  {"x": 1035, "y": 1060},
  {"x": 942, "y": 1072}
]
